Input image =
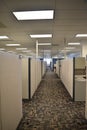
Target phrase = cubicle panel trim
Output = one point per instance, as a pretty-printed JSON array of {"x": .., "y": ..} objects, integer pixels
[
  {"x": 29, "y": 77},
  {"x": 74, "y": 79}
]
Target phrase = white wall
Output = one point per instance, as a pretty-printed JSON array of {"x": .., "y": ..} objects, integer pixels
[
  {"x": 11, "y": 91},
  {"x": 67, "y": 74}
]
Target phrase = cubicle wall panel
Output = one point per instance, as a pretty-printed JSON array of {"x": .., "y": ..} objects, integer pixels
[
  {"x": 33, "y": 76},
  {"x": 79, "y": 63},
  {"x": 0, "y": 93},
  {"x": 39, "y": 68},
  {"x": 80, "y": 81},
  {"x": 11, "y": 91},
  {"x": 25, "y": 78},
  {"x": 38, "y": 72},
  {"x": 67, "y": 75},
  {"x": 57, "y": 68},
  {"x": 86, "y": 92},
  {"x": 43, "y": 68}
]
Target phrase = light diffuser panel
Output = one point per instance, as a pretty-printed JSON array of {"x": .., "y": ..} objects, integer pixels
[
  {"x": 44, "y": 44},
  {"x": 12, "y": 44},
  {"x": 21, "y": 48},
  {"x": 34, "y": 15},
  {"x": 76, "y": 43},
  {"x": 81, "y": 35},
  {"x": 2, "y": 49},
  {"x": 41, "y": 35},
  {"x": 3, "y": 37}
]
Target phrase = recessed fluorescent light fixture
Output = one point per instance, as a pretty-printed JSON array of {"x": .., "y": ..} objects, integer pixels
[
  {"x": 76, "y": 43},
  {"x": 69, "y": 48},
  {"x": 2, "y": 49},
  {"x": 81, "y": 35},
  {"x": 12, "y": 44},
  {"x": 26, "y": 51},
  {"x": 65, "y": 50},
  {"x": 34, "y": 15},
  {"x": 12, "y": 52},
  {"x": 21, "y": 48},
  {"x": 44, "y": 44},
  {"x": 40, "y": 35},
  {"x": 3, "y": 37}
]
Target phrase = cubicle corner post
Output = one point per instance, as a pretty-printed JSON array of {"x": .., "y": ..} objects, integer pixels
[
  {"x": 0, "y": 102},
  {"x": 29, "y": 78},
  {"x": 74, "y": 79},
  {"x": 59, "y": 66},
  {"x": 86, "y": 92}
]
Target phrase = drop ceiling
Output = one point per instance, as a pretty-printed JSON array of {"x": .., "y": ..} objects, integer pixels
[{"x": 70, "y": 18}]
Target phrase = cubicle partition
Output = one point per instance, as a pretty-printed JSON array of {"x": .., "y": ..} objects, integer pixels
[
  {"x": 86, "y": 91},
  {"x": 38, "y": 72},
  {"x": 25, "y": 78},
  {"x": 72, "y": 73},
  {"x": 31, "y": 76},
  {"x": 10, "y": 91},
  {"x": 43, "y": 68},
  {"x": 80, "y": 79},
  {"x": 67, "y": 75},
  {"x": 58, "y": 67}
]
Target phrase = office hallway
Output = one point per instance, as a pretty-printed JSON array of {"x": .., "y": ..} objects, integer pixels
[{"x": 51, "y": 108}]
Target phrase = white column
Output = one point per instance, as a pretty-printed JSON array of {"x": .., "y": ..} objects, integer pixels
[{"x": 36, "y": 48}]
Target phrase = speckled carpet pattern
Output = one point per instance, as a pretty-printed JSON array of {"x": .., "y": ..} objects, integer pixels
[{"x": 52, "y": 108}]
